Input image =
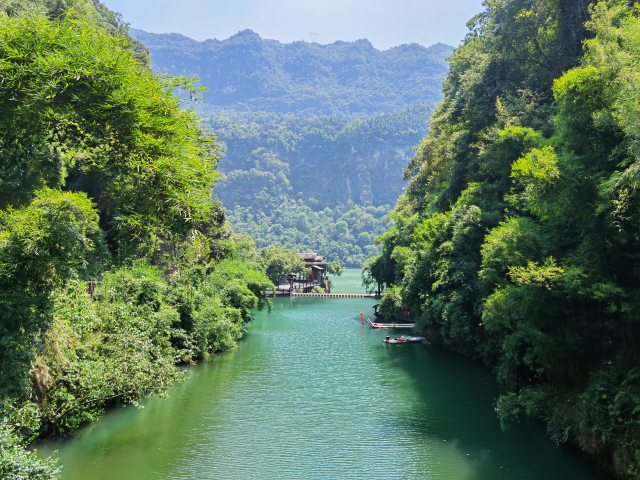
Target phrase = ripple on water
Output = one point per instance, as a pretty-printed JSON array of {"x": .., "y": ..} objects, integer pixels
[{"x": 311, "y": 394}]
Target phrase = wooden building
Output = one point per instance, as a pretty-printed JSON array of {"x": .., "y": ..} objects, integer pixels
[
  {"x": 317, "y": 265},
  {"x": 301, "y": 283}
]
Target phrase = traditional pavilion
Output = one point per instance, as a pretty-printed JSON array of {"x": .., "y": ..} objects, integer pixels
[{"x": 316, "y": 263}]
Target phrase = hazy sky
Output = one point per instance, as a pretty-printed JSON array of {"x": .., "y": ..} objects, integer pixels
[{"x": 386, "y": 23}]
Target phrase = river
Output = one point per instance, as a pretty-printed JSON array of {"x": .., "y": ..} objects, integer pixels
[{"x": 312, "y": 394}]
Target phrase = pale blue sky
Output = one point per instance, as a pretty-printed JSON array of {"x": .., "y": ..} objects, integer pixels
[{"x": 386, "y": 23}]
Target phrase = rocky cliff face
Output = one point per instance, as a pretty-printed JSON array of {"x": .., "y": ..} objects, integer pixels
[
  {"x": 343, "y": 79},
  {"x": 317, "y": 136},
  {"x": 370, "y": 174},
  {"x": 328, "y": 161}
]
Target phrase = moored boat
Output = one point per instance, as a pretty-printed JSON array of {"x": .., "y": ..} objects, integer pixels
[{"x": 388, "y": 339}]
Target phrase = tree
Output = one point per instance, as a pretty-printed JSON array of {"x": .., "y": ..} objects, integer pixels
[
  {"x": 340, "y": 229},
  {"x": 279, "y": 262},
  {"x": 17, "y": 462},
  {"x": 334, "y": 268},
  {"x": 516, "y": 240},
  {"x": 364, "y": 239},
  {"x": 92, "y": 11},
  {"x": 81, "y": 112},
  {"x": 43, "y": 246},
  {"x": 97, "y": 150}
]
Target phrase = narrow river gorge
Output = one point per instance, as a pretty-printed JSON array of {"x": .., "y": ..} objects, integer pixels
[{"x": 312, "y": 394}]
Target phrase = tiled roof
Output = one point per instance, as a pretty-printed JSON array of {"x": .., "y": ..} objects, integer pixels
[{"x": 311, "y": 257}]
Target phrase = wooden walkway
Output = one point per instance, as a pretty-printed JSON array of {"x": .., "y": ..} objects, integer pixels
[
  {"x": 336, "y": 295},
  {"x": 390, "y": 325}
]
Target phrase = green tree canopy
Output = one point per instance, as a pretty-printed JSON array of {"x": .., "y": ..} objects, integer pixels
[
  {"x": 98, "y": 153},
  {"x": 516, "y": 240},
  {"x": 334, "y": 268},
  {"x": 279, "y": 262},
  {"x": 54, "y": 239},
  {"x": 80, "y": 112}
]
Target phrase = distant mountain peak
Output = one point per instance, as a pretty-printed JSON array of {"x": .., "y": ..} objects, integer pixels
[
  {"x": 246, "y": 33},
  {"x": 249, "y": 33},
  {"x": 344, "y": 79}
]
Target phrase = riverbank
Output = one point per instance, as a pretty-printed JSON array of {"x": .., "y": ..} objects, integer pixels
[{"x": 310, "y": 393}]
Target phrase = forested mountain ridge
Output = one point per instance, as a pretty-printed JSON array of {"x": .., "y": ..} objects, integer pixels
[
  {"x": 309, "y": 127},
  {"x": 342, "y": 79},
  {"x": 326, "y": 160},
  {"x": 289, "y": 181}
]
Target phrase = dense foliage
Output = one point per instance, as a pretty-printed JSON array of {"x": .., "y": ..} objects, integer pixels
[
  {"x": 344, "y": 79},
  {"x": 43, "y": 246},
  {"x": 315, "y": 124},
  {"x": 16, "y": 462},
  {"x": 279, "y": 262},
  {"x": 104, "y": 176},
  {"x": 91, "y": 10},
  {"x": 289, "y": 181},
  {"x": 322, "y": 161},
  {"x": 85, "y": 114},
  {"x": 516, "y": 241},
  {"x": 343, "y": 234}
]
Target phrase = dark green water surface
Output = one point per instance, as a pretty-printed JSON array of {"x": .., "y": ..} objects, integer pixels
[{"x": 312, "y": 394}]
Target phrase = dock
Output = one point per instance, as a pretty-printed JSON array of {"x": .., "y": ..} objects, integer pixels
[
  {"x": 390, "y": 325},
  {"x": 335, "y": 295}
]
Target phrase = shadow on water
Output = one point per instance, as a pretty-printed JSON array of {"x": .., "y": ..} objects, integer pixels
[
  {"x": 455, "y": 406},
  {"x": 310, "y": 393}
]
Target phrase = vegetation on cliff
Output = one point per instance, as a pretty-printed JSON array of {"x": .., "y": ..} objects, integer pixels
[
  {"x": 294, "y": 181},
  {"x": 104, "y": 176},
  {"x": 348, "y": 80},
  {"x": 516, "y": 241},
  {"x": 309, "y": 127}
]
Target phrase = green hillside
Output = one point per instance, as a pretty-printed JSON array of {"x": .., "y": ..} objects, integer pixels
[
  {"x": 317, "y": 184},
  {"x": 517, "y": 239},
  {"x": 314, "y": 134},
  {"x": 343, "y": 79}
]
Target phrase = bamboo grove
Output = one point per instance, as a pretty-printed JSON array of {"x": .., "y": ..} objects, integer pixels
[
  {"x": 517, "y": 240},
  {"x": 105, "y": 177}
]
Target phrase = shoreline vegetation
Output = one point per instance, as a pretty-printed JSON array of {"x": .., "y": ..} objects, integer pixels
[
  {"x": 105, "y": 176},
  {"x": 516, "y": 241}
]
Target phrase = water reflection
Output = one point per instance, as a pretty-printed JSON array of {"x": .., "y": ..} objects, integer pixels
[{"x": 309, "y": 393}]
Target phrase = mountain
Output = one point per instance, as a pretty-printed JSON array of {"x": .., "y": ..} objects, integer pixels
[
  {"x": 325, "y": 160},
  {"x": 289, "y": 181},
  {"x": 343, "y": 79},
  {"x": 316, "y": 136}
]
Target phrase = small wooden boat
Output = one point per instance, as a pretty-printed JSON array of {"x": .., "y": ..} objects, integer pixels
[{"x": 388, "y": 339}]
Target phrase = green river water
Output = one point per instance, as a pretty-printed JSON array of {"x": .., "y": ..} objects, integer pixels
[{"x": 312, "y": 394}]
